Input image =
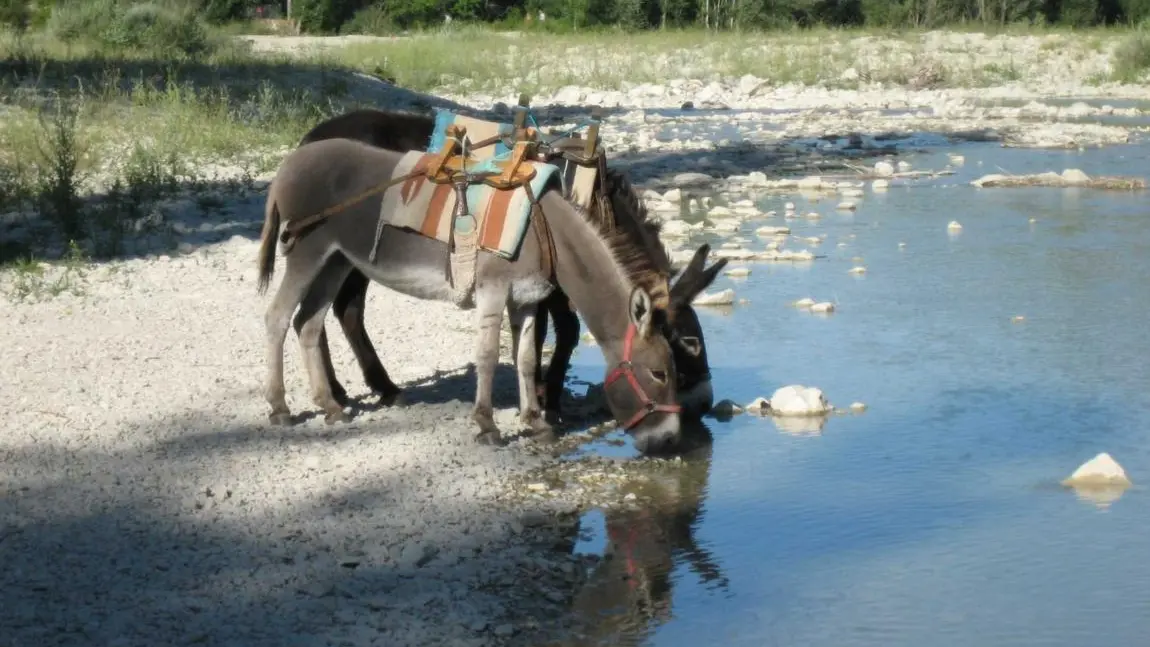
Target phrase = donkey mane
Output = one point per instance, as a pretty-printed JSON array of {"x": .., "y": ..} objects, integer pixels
[{"x": 633, "y": 239}]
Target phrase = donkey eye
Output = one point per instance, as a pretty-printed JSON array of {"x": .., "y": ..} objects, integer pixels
[
  {"x": 659, "y": 376},
  {"x": 691, "y": 344}
]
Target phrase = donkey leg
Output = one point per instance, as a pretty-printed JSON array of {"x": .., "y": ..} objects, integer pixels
[
  {"x": 489, "y": 303},
  {"x": 349, "y": 308},
  {"x": 309, "y": 325},
  {"x": 540, "y": 340},
  {"x": 298, "y": 277},
  {"x": 566, "y": 339},
  {"x": 337, "y": 390},
  {"x": 523, "y": 326}
]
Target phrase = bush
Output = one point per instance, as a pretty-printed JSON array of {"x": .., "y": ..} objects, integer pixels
[
  {"x": 139, "y": 26},
  {"x": 372, "y": 21},
  {"x": 15, "y": 14},
  {"x": 1132, "y": 57}
]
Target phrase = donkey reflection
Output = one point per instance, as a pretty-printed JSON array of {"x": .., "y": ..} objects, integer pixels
[{"x": 629, "y": 593}]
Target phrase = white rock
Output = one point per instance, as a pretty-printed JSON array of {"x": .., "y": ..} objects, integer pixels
[
  {"x": 1075, "y": 176},
  {"x": 674, "y": 195},
  {"x": 725, "y": 224},
  {"x": 954, "y": 226},
  {"x": 772, "y": 231},
  {"x": 883, "y": 169},
  {"x": 811, "y": 182},
  {"x": 1100, "y": 470},
  {"x": 790, "y": 206},
  {"x": 957, "y": 160},
  {"x": 738, "y": 271},
  {"x": 858, "y": 407},
  {"x": 676, "y": 228},
  {"x": 903, "y": 166},
  {"x": 748, "y": 83},
  {"x": 798, "y": 400},
  {"x": 721, "y": 298},
  {"x": 880, "y": 185},
  {"x": 847, "y": 205},
  {"x": 858, "y": 269},
  {"x": 825, "y": 306},
  {"x": 692, "y": 179},
  {"x": 719, "y": 211},
  {"x": 804, "y": 302}
]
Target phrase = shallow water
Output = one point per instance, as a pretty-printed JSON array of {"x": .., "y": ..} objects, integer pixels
[{"x": 935, "y": 517}]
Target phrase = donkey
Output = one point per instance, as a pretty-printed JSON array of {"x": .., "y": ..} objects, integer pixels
[
  {"x": 623, "y": 297},
  {"x": 403, "y": 131}
]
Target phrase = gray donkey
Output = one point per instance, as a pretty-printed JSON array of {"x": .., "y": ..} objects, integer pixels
[
  {"x": 403, "y": 131},
  {"x": 608, "y": 276}
]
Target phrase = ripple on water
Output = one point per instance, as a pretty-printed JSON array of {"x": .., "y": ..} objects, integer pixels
[{"x": 934, "y": 517}]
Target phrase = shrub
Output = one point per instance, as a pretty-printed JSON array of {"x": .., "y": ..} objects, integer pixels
[
  {"x": 140, "y": 26},
  {"x": 1132, "y": 57}
]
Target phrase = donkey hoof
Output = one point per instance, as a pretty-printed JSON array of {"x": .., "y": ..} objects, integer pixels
[
  {"x": 492, "y": 438},
  {"x": 340, "y": 396},
  {"x": 551, "y": 416},
  {"x": 392, "y": 398},
  {"x": 333, "y": 417},
  {"x": 280, "y": 418}
]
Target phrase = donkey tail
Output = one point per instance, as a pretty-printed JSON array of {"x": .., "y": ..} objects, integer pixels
[{"x": 268, "y": 239}]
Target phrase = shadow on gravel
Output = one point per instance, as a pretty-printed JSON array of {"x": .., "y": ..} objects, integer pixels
[{"x": 259, "y": 538}]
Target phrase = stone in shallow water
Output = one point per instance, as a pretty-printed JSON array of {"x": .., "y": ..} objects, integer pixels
[
  {"x": 799, "y": 400},
  {"x": 824, "y": 307},
  {"x": 1100, "y": 470},
  {"x": 722, "y": 298},
  {"x": 692, "y": 179}
]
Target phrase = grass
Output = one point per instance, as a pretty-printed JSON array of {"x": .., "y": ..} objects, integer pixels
[{"x": 104, "y": 139}]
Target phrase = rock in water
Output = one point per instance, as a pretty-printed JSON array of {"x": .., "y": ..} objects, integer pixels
[
  {"x": 798, "y": 400},
  {"x": 1102, "y": 470},
  {"x": 722, "y": 298}
]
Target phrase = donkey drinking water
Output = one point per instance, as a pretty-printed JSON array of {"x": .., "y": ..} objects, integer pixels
[
  {"x": 622, "y": 295},
  {"x": 403, "y": 131}
]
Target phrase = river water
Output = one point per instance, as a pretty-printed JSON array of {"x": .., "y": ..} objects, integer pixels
[{"x": 936, "y": 517}]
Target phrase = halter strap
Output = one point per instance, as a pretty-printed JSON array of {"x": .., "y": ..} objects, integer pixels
[{"x": 626, "y": 369}]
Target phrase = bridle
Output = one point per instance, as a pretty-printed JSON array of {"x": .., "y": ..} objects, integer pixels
[{"x": 626, "y": 369}]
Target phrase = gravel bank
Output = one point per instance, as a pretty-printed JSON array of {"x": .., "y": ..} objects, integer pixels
[{"x": 145, "y": 502}]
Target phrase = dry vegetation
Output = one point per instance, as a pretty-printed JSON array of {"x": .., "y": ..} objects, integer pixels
[{"x": 113, "y": 115}]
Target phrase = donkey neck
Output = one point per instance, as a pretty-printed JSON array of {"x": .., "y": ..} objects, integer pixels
[{"x": 588, "y": 271}]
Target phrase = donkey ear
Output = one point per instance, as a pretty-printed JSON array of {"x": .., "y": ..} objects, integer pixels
[
  {"x": 708, "y": 276},
  {"x": 695, "y": 279},
  {"x": 681, "y": 288},
  {"x": 641, "y": 311}
]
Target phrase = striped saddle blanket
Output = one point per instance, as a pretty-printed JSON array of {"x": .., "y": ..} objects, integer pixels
[
  {"x": 425, "y": 207},
  {"x": 578, "y": 180}
]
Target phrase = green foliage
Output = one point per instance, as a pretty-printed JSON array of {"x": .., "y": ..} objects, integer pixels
[
  {"x": 15, "y": 14},
  {"x": 222, "y": 11},
  {"x": 166, "y": 32},
  {"x": 1132, "y": 58}
]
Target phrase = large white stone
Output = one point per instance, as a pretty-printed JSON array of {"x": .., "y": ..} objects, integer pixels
[
  {"x": 798, "y": 400},
  {"x": 1100, "y": 470}
]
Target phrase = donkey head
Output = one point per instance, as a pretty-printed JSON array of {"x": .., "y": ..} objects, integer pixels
[
  {"x": 640, "y": 387},
  {"x": 686, "y": 334}
]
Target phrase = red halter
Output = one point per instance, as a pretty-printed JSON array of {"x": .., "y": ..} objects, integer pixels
[{"x": 624, "y": 369}]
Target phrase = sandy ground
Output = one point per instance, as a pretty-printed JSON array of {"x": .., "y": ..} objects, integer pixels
[{"x": 145, "y": 501}]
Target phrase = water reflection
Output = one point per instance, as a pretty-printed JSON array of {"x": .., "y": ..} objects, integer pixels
[{"x": 629, "y": 594}]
